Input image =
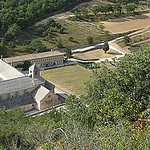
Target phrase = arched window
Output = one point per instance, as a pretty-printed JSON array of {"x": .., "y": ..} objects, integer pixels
[
  {"x": 9, "y": 96},
  {"x": 17, "y": 94}
]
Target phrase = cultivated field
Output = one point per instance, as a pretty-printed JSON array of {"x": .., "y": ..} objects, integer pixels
[
  {"x": 69, "y": 79},
  {"x": 127, "y": 24},
  {"x": 96, "y": 54}
]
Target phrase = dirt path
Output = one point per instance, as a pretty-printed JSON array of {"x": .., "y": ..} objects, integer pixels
[{"x": 63, "y": 15}]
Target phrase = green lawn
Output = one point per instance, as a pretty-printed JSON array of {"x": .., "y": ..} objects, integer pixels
[{"x": 69, "y": 79}]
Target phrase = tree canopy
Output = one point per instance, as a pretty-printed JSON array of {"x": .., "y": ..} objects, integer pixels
[{"x": 119, "y": 94}]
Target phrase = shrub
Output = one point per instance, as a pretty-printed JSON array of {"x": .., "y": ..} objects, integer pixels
[{"x": 89, "y": 39}]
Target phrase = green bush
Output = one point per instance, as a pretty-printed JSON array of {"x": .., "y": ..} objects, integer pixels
[{"x": 89, "y": 39}]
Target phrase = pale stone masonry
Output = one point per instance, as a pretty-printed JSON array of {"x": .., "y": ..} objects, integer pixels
[
  {"x": 29, "y": 91},
  {"x": 45, "y": 59}
]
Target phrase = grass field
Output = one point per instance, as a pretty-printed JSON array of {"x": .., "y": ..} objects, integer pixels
[
  {"x": 69, "y": 79},
  {"x": 96, "y": 54},
  {"x": 79, "y": 31},
  {"x": 127, "y": 24}
]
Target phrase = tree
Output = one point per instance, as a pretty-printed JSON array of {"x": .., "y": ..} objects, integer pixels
[
  {"x": 59, "y": 43},
  {"x": 107, "y": 34},
  {"x": 117, "y": 8},
  {"x": 101, "y": 27},
  {"x": 84, "y": 13},
  {"x": 12, "y": 32},
  {"x": 3, "y": 48},
  {"x": 89, "y": 39},
  {"x": 127, "y": 39},
  {"x": 77, "y": 14},
  {"x": 106, "y": 47},
  {"x": 148, "y": 3},
  {"x": 26, "y": 65},
  {"x": 36, "y": 46},
  {"x": 95, "y": 10},
  {"x": 68, "y": 52},
  {"x": 122, "y": 93},
  {"x": 131, "y": 7}
]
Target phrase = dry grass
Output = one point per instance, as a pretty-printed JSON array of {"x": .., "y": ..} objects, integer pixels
[
  {"x": 96, "y": 54},
  {"x": 128, "y": 23},
  {"x": 79, "y": 31},
  {"x": 69, "y": 79}
]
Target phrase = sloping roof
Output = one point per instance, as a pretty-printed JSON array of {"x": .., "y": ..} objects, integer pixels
[
  {"x": 8, "y": 72},
  {"x": 32, "y": 56},
  {"x": 12, "y": 85},
  {"x": 21, "y": 101},
  {"x": 40, "y": 93},
  {"x": 34, "y": 68},
  {"x": 48, "y": 85}
]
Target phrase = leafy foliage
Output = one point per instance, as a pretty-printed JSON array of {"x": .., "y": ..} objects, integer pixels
[
  {"x": 35, "y": 46},
  {"x": 127, "y": 39},
  {"x": 116, "y": 95},
  {"x": 25, "y": 66},
  {"x": 89, "y": 39},
  {"x": 68, "y": 52},
  {"x": 106, "y": 47}
]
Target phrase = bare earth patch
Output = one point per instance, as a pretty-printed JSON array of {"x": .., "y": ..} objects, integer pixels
[
  {"x": 127, "y": 24},
  {"x": 97, "y": 54}
]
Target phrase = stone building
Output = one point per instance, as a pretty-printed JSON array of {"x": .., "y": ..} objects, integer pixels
[
  {"x": 45, "y": 59},
  {"x": 29, "y": 91}
]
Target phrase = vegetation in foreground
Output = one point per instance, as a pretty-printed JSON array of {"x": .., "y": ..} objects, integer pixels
[{"x": 114, "y": 114}]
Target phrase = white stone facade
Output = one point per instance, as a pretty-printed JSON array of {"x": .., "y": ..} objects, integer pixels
[
  {"x": 45, "y": 59},
  {"x": 26, "y": 91}
]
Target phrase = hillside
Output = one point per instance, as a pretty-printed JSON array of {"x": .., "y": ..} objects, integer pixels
[{"x": 21, "y": 29}]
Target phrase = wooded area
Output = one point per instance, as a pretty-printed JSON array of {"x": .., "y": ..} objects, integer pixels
[{"x": 114, "y": 114}]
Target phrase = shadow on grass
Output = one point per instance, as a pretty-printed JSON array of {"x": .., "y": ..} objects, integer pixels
[{"x": 113, "y": 53}]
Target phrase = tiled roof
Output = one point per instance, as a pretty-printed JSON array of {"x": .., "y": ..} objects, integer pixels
[
  {"x": 21, "y": 101},
  {"x": 33, "y": 56},
  {"x": 12, "y": 85}
]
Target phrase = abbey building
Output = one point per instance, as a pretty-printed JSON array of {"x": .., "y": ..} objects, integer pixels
[
  {"x": 45, "y": 59},
  {"x": 29, "y": 91}
]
